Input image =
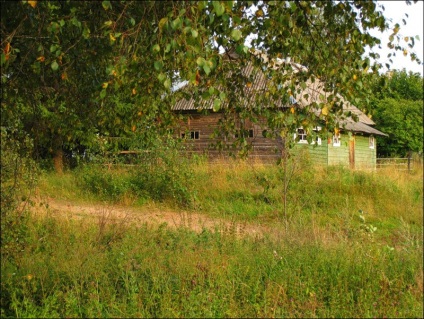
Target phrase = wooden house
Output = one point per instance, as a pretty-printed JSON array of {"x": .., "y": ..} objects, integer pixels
[{"x": 353, "y": 144}]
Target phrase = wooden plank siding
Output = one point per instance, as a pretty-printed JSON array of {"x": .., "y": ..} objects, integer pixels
[
  {"x": 339, "y": 155},
  {"x": 265, "y": 149},
  {"x": 317, "y": 153},
  {"x": 365, "y": 157}
]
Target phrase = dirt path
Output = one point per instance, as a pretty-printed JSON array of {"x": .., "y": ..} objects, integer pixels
[{"x": 139, "y": 216}]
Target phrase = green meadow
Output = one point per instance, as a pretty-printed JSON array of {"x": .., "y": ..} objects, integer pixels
[{"x": 349, "y": 244}]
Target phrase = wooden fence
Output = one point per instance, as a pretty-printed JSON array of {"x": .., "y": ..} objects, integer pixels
[{"x": 398, "y": 163}]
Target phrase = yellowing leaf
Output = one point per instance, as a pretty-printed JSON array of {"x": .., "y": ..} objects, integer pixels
[
  {"x": 324, "y": 110},
  {"x": 32, "y": 3},
  {"x": 406, "y": 39},
  {"x": 112, "y": 38},
  {"x": 259, "y": 13},
  {"x": 134, "y": 92},
  {"x": 41, "y": 58},
  {"x": 292, "y": 110},
  {"x": 64, "y": 76},
  {"x": 355, "y": 77},
  {"x": 396, "y": 30},
  {"x": 105, "y": 85},
  {"x": 405, "y": 52},
  {"x": 249, "y": 84},
  {"x": 162, "y": 22},
  {"x": 133, "y": 128}
]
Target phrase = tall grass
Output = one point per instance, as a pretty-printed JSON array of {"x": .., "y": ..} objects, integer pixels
[
  {"x": 79, "y": 269},
  {"x": 351, "y": 247}
]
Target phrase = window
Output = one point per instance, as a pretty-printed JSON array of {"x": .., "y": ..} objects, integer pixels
[
  {"x": 300, "y": 136},
  {"x": 336, "y": 139},
  {"x": 249, "y": 133},
  {"x": 317, "y": 139},
  {"x": 193, "y": 135},
  {"x": 372, "y": 142}
]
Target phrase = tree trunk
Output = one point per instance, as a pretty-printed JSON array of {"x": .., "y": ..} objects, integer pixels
[
  {"x": 58, "y": 156},
  {"x": 58, "y": 161},
  {"x": 284, "y": 159}
]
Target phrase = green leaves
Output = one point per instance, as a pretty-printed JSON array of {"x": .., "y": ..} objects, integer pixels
[
  {"x": 176, "y": 24},
  {"x": 54, "y": 66},
  {"x": 106, "y": 5},
  {"x": 156, "y": 48},
  {"x": 216, "y": 105},
  {"x": 158, "y": 65},
  {"x": 236, "y": 34},
  {"x": 207, "y": 66},
  {"x": 218, "y": 7},
  {"x": 151, "y": 45},
  {"x": 167, "y": 84},
  {"x": 86, "y": 33}
]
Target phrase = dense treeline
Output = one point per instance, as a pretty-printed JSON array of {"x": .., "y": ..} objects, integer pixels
[{"x": 397, "y": 109}]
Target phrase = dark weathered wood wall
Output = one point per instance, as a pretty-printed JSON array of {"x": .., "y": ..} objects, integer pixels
[{"x": 261, "y": 148}]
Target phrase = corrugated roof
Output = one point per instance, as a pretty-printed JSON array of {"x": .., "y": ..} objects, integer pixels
[{"x": 313, "y": 93}]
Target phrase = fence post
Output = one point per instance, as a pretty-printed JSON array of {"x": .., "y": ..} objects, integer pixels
[{"x": 409, "y": 160}]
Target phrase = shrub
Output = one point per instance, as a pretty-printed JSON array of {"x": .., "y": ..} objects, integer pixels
[{"x": 160, "y": 173}]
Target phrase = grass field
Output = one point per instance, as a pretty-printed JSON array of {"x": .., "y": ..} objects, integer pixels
[{"x": 351, "y": 245}]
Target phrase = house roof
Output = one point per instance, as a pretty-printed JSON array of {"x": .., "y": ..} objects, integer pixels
[{"x": 313, "y": 93}]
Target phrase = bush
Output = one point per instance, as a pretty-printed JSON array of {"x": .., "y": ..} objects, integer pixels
[
  {"x": 18, "y": 177},
  {"x": 160, "y": 173}
]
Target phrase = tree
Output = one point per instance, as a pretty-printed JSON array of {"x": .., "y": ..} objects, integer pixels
[
  {"x": 402, "y": 120},
  {"x": 397, "y": 109},
  {"x": 74, "y": 70}
]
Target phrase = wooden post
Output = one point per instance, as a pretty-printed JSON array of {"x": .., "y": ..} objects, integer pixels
[
  {"x": 409, "y": 160},
  {"x": 352, "y": 152}
]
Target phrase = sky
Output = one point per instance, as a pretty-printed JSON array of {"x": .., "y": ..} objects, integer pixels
[{"x": 396, "y": 10}]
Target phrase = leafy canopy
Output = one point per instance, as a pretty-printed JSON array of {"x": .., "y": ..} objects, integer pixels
[{"x": 73, "y": 70}]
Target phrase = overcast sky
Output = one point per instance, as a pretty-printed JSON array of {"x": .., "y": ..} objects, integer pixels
[{"x": 396, "y": 10}]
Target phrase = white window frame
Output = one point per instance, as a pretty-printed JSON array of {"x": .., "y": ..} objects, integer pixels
[
  {"x": 371, "y": 142},
  {"x": 336, "y": 140},
  {"x": 302, "y": 136},
  {"x": 318, "y": 139},
  {"x": 303, "y": 139}
]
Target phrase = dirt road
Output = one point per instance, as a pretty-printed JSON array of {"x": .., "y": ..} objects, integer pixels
[{"x": 139, "y": 216}]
